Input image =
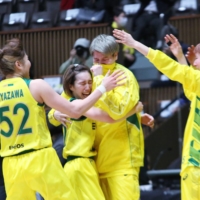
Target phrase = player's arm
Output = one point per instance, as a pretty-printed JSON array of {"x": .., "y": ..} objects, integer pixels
[
  {"x": 100, "y": 115},
  {"x": 43, "y": 93},
  {"x": 187, "y": 76}
]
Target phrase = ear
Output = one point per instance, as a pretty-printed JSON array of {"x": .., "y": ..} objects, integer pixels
[
  {"x": 71, "y": 87},
  {"x": 18, "y": 65},
  {"x": 116, "y": 56}
]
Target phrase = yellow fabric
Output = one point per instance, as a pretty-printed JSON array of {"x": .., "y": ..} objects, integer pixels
[
  {"x": 78, "y": 136},
  {"x": 39, "y": 171},
  {"x": 124, "y": 187},
  {"x": 118, "y": 102},
  {"x": 190, "y": 187},
  {"x": 82, "y": 174},
  {"x": 23, "y": 121},
  {"x": 120, "y": 146},
  {"x": 190, "y": 79},
  {"x": 79, "y": 139},
  {"x": 125, "y": 47}
]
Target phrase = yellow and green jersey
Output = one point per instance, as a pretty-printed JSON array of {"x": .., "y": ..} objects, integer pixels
[
  {"x": 78, "y": 136},
  {"x": 120, "y": 145},
  {"x": 79, "y": 139},
  {"x": 23, "y": 124},
  {"x": 190, "y": 79}
]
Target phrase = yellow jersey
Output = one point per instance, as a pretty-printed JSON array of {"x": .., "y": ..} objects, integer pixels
[
  {"x": 23, "y": 124},
  {"x": 120, "y": 145},
  {"x": 190, "y": 79},
  {"x": 78, "y": 136}
]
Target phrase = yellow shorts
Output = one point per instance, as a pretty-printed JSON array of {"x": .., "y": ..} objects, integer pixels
[
  {"x": 83, "y": 176},
  {"x": 39, "y": 171},
  {"x": 121, "y": 187},
  {"x": 190, "y": 184}
]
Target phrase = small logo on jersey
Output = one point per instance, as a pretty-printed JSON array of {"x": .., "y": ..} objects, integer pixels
[
  {"x": 93, "y": 126},
  {"x": 16, "y": 146},
  {"x": 185, "y": 177}
]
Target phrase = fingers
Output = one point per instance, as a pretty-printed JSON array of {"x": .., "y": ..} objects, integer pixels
[
  {"x": 170, "y": 39},
  {"x": 117, "y": 73},
  {"x": 120, "y": 84},
  {"x": 108, "y": 73},
  {"x": 120, "y": 79},
  {"x": 64, "y": 124},
  {"x": 119, "y": 35},
  {"x": 151, "y": 122}
]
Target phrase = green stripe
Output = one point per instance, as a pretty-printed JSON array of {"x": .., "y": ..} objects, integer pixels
[{"x": 134, "y": 120}]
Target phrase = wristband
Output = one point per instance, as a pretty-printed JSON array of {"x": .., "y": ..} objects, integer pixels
[{"x": 101, "y": 88}]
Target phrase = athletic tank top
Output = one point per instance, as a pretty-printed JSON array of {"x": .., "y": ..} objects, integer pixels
[{"x": 23, "y": 126}]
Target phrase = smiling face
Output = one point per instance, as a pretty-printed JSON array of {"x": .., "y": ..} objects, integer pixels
[{"x": 82, "y": 86}]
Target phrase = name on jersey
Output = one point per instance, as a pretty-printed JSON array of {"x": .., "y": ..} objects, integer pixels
[
  {"x": 16, "y": 146},
  {"x": 11, "y": 94}
]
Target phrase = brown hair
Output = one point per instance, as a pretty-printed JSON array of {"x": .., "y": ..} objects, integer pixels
[
  {"x": 69, "y": 76},
  {"x": 9, "y": 54}
]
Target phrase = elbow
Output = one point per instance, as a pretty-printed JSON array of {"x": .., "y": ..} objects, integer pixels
[{"x": 76, "y": 114}]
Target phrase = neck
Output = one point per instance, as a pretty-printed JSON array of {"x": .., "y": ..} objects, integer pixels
[{"x": 14, "y": 76}]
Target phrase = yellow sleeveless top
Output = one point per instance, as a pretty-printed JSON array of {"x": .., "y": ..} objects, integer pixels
[{"x": 23, "y": 124}]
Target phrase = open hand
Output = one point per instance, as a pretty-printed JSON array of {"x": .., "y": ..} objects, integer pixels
[
  {"x": 190, "y": 55},
  {"x": 62, "y": 118}
]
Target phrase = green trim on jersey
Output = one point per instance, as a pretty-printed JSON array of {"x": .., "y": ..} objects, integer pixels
[
  {"x": 27, "y": 81},
  {"x": 134, "y": 120}
]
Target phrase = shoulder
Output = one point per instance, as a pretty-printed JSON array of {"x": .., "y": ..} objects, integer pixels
[
  {"x": 38, "y": 84},
  {"x": 121, "y": 67},
  {"x": 38, "y": 81}
]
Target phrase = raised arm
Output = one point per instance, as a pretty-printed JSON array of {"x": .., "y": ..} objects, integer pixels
[
  {"x": 190, "y": 54},
  {"x": 176, "y": 48},
  {"x": 127, "y": 39},
  {"x": 187, "y": 76}
]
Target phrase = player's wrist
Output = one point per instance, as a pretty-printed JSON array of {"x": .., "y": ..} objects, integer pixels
[{"x": 102, "y": 88}]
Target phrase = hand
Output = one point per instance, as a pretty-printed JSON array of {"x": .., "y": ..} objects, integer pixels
[
  {"x": 147, "y": 120},
  {"x": 174, "y": 46},
  {"x": 112, "y": 81},
  {"x": 190, "y": 55},
  {"x": 97, "y": 70},
  {"x": 139, "y": 107},
  {"x": 124, "y": 38},
  {"x": 73, "y": 53},
  {"x": 136, "y": 109},
  {"x": 61, "y": 118}
]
